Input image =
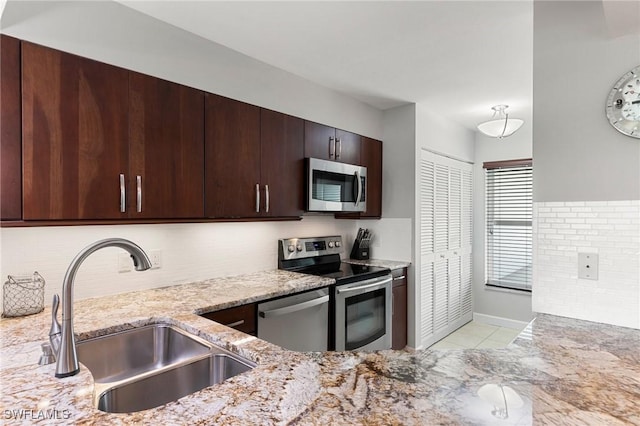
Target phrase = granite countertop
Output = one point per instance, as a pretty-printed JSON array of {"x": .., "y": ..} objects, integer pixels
[
  {"x": 558, "y": 371},
  {"x": 391, "y": 264}
]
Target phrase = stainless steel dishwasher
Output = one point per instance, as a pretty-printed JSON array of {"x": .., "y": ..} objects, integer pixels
[{"x": 298, "y": 322}]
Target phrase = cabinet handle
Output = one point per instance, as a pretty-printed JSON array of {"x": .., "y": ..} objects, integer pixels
[
  {"x": 266, "y": 198},
  {"x": 401, "y": 277},
  {"x": 123, "y": 195},
  {"x": 139, "y": 194},
  {"x": 332, "y": 147},
  {"x": 257, "y": 198},
  {"x": 235, "y": 324},
  {"x": 339, "y": 147}
]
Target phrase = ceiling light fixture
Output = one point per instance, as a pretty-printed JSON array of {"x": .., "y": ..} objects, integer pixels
[{"x": 500, "y": 126}]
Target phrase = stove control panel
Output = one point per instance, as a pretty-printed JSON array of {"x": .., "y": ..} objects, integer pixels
[{"x": 298, "y": 248}]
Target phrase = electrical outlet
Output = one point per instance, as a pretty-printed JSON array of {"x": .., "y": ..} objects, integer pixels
[
  {"x": 125, "y": 263},
  {"x": 156, "y": 259},
  {"x": 588, "y": 266}
]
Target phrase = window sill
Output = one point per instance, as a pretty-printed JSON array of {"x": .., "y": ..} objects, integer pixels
[{"x": 507, "y": 290}]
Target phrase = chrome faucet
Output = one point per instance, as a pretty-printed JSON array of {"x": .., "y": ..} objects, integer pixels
[{"x": 62, "y": 339}]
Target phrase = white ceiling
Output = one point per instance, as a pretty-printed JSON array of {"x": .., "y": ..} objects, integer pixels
[{"x": 458, "y": 58}]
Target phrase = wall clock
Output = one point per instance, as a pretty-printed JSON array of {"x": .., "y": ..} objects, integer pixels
[{"x": 623, "y": 104}]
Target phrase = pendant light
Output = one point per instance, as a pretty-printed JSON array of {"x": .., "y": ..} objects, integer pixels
[{"x": 500, "y": 126}]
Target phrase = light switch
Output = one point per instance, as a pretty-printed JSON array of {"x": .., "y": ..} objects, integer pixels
[{"x": 588, "y": 266}]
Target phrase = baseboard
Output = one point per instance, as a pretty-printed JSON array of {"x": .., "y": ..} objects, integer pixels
[{"x": 499, "y": 321}]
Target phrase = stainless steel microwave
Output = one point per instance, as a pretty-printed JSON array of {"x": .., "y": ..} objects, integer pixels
[{"x": 335, "y": 187}]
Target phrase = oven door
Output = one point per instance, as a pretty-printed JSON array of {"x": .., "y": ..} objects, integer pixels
[
  {"x": 335, "y": 187},
  {"x": 363, "y": 315}
]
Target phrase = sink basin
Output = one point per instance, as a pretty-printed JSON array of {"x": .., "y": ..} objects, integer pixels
[
  {"x": 172, "y": 384},
  {"x": 118, "y": 356},
  {"x": 150, "y": 366}
]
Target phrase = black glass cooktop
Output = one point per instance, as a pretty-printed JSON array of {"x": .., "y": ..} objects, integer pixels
[{"x": 330, "y": 266}]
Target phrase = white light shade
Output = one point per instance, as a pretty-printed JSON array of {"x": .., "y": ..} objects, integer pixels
[{"x": 501, "y": 125}]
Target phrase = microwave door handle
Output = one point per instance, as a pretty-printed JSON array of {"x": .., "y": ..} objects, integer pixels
[
  {"x": 294, "y": 308},
  {"x": 359, "y": 186}
]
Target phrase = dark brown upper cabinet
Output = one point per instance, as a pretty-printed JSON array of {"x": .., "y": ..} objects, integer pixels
[
  {"x": 166, "y": 147},
  {"x": 75, "y": 136},
  {"x": 232, "y": 158},
  {"x": 101, "y": 142},
  {"x": 254, "y": 161},
  {"x": 10, "y": 130},
  {"x": 328, "y": 143},
  {"x": 371, "y": 158},
  {"x": 282, "y": 163}
]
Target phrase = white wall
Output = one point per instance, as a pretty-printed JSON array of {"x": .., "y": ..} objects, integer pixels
[
  {"x": 489, "y": 301},
  {"x": 115, "y": 34},
  {"x": 583, "y": 166},
  {"x": 110, "y": 32}
]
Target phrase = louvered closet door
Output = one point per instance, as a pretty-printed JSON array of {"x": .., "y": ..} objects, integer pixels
[{"x": 445, "y": 244}]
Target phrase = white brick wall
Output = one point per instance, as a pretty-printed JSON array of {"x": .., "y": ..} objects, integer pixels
[{"x": 561, "y": 230}]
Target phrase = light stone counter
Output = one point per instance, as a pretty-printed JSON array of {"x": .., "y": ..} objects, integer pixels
[
  {"x": 391, "y": 264},
  {"x": 561, "y": 371}
]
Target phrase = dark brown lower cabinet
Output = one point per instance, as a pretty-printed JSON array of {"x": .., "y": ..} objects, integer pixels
[
  {"x": 399, "y": 316},
  {"x": 242, "y": 318}
]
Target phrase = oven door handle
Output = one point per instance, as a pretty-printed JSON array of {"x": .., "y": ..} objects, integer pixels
[
  {"x": 294, "y": 308},
  {"x": 363, "y": 287}
]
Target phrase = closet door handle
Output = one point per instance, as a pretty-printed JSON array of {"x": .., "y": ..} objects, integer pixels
[
  {"x": 123, "y": 194},
  {"x": 266, "y": 198},
  {"x": 257, "y": 198},
  {"x": 139, "y": 194}
]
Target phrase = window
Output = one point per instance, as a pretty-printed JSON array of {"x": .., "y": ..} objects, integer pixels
[{"x": 509, "y": 219}]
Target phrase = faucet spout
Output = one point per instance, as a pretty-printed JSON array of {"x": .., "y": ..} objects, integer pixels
[{"x": 67, "y": 357}]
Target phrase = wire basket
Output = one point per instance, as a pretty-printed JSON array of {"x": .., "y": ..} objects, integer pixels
[{"x": 23, "y": 295}]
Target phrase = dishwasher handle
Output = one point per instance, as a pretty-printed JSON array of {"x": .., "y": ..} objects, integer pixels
[{"x": 294, "y": 308}]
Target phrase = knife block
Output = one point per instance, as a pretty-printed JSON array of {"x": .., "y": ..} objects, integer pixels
[{"x": 360, "y": 253}]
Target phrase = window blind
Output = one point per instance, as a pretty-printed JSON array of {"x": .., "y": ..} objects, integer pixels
[{"x": 509, "y": 224}]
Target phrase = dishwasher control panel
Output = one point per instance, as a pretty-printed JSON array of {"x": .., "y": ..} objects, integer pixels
[{"x": 298, "y": 248}]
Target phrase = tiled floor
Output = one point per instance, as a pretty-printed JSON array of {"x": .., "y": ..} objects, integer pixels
[{"x": 478, "y": 335}]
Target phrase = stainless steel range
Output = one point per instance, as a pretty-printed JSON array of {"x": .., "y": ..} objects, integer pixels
[{"x": 360, "y": 301}]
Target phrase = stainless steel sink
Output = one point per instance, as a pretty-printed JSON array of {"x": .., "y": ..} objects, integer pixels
[
  {"x": 118, "y": 356},
  {"x": 150, "y": 366},
  {"x": 170, "y": 385}
]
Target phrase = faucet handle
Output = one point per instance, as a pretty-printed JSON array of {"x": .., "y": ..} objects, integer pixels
[
  {"x": 47, "y": 356},
  {"x": 55, "y": 332}
]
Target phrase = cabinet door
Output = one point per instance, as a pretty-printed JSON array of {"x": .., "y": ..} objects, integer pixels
[
  {"x": 166, "y": 148},
  {"x": 371, "y": 158},
  {"x": 10, "y": 131},
  {"x": 282, "y": 158},
  {"x": 242, "y": 318},
  {"x": 232, "y": 157},
  {"x": 75, "y": 133},
  {"x": 319, "y": 141},
  {"x": 347, "y": 147},
  {"x": 399, "y": 317}
]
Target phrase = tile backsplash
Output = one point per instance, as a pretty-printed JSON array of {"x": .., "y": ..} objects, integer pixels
[
  {"x": 190, "y": 252},
  {"x": 562, "y": 230}
]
